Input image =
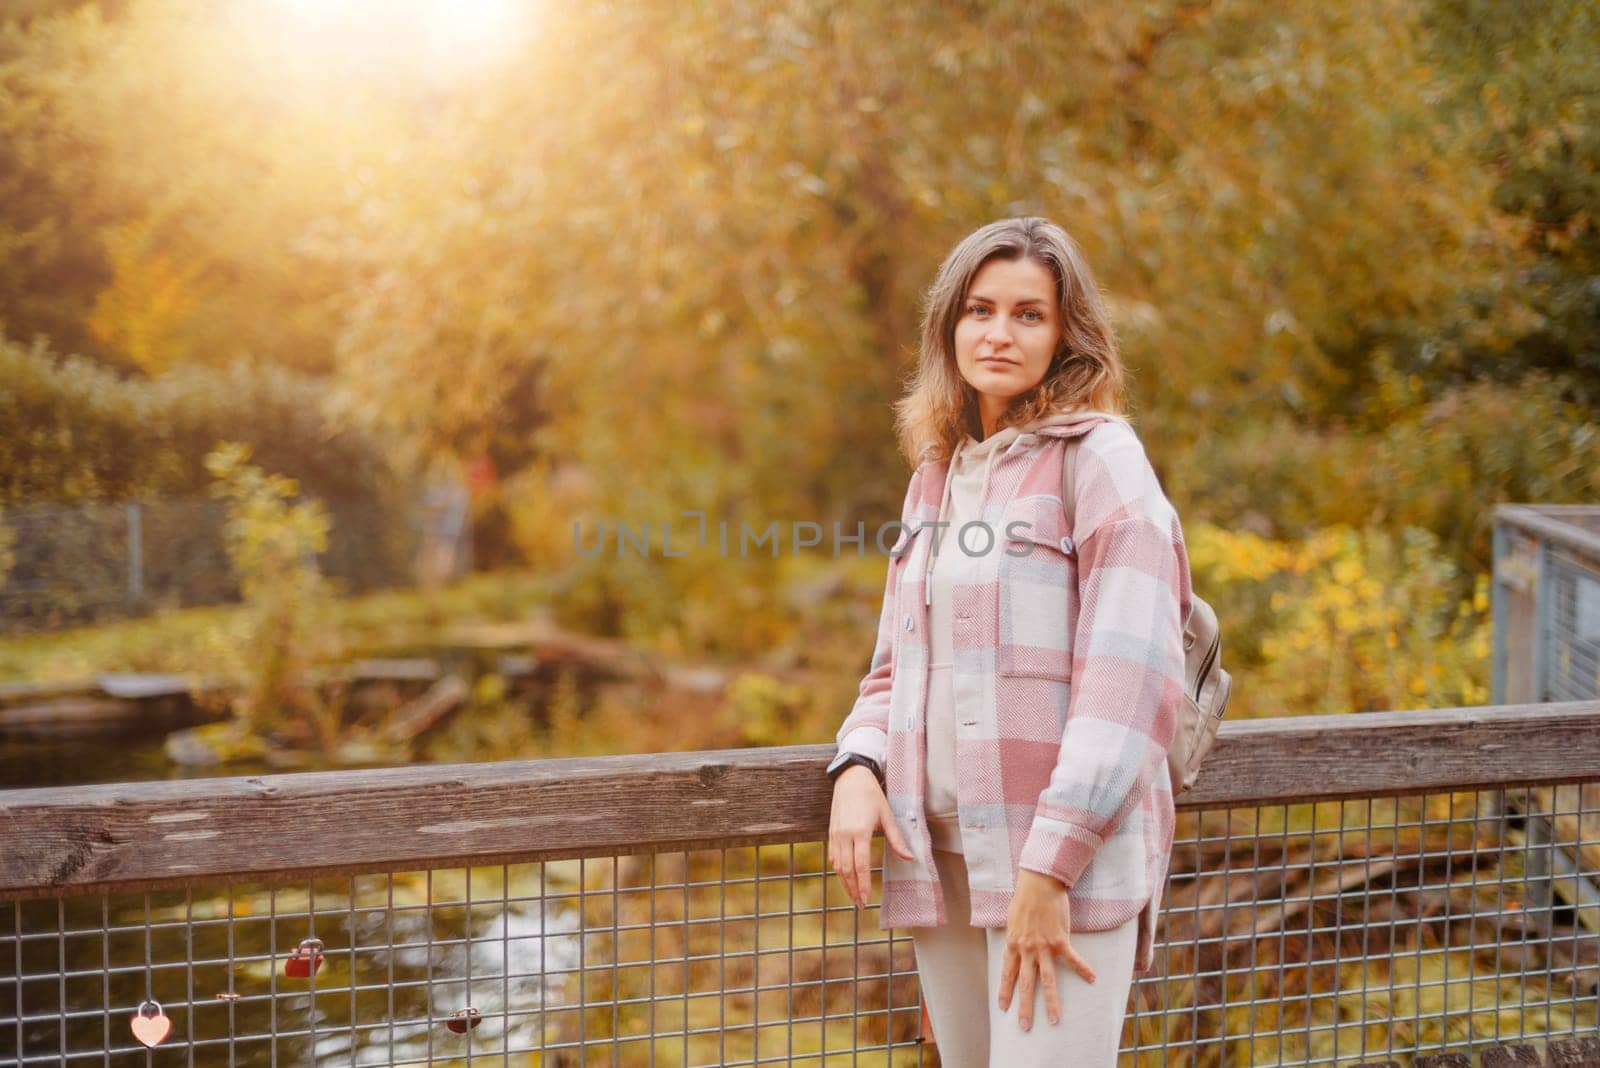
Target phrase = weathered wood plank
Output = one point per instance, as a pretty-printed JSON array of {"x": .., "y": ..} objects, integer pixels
[
  {"x": 1445, "y": 1060},
  {"x": 1511, "y": 1057},
  {"x": 1574, "y": 1053},
  {"x": 1372, "y": 754},
  {"x": 86, "y": 838}
]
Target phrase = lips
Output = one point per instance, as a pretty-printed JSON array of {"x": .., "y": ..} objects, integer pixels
[{"x": 997, "y": 361}]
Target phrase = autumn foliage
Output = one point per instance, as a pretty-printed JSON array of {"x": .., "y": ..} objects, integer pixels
[{"x": 648, "y": 258}]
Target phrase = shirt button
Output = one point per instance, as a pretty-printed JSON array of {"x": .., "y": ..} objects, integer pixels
[
  {"x": 909, "y": 624},
  {"x": 1066, "y": 545}
]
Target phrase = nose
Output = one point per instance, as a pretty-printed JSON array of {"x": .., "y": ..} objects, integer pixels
[{"x": 997, "y": 335}]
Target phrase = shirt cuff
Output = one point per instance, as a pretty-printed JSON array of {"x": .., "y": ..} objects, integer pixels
[
  {"x": 868, "y": 741},
  {"x": 1060, "y": 849}
]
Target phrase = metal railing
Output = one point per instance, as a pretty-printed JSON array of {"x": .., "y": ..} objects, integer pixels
[
  {"x": 1343, "y": 889},
  {"x": 1546, "y": 602}
]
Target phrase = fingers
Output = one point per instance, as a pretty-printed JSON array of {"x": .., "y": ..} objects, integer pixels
[
  {"x": 863, "y": 853},
  {"x": 1026, "y": 977},
  {"x": 1008, "y": 975},
  {"x": 1027, "y": 972},
  {"x": 846, "y": 867},
  {"x": 891, "y": 832},
  {"x": 842, "y": 858},
  {"x": 1052, "y": 1003},
  {"x": 1078, "y": 964},
  {"x": 859, "y": 809}
]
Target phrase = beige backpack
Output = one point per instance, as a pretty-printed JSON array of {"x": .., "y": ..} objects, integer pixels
[{"x": 1205, "y": 684}]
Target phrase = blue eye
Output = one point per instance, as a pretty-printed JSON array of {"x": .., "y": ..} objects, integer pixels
[
  {"x": 976, "y": 309},
  {"x": 1036, "y": 315}
]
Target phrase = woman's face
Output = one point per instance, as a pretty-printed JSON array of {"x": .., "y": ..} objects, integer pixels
[{"x": 1010, "y": 327}]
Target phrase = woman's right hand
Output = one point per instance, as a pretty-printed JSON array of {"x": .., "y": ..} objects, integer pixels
[{"x": 859, "y": 809}]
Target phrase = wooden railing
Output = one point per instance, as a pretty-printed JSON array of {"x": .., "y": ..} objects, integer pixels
[{"x": 87, "y": 841}]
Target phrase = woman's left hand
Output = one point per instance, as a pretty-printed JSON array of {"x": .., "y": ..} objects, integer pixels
[{"x": 1037, "y": 928}]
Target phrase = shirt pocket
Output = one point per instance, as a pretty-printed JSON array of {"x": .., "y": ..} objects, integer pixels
[{"x": 1038, "y": 606}]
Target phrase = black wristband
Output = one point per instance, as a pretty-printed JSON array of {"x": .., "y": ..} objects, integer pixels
[{"x": 856, "y": 758}]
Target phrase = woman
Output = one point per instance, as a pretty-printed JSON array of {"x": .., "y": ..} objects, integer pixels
[{"x": 1010, "y": 736}]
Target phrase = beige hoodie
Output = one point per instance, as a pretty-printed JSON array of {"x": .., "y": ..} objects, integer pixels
[{"x": 953, "y": 566}]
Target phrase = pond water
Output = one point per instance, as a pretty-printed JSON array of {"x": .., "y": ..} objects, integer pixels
[
  {"x": 400, "y": 954},
  {"x": 76, "y": 761}
]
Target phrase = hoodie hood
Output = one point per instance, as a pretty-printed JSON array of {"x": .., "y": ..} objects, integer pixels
[
  {"x": 966, "y": 482},
  {"x": 972, "y": 455},
  {"x": 1000, "y": 439}
]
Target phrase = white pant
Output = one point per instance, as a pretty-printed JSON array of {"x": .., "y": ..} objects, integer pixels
[{"x": 959, "y": 967}]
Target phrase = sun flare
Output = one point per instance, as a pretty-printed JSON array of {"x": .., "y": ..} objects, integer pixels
[{"x": 447, "y": 31}]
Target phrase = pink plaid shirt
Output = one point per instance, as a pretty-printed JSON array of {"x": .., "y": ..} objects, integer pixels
[{"x": 1063, "y": 729}]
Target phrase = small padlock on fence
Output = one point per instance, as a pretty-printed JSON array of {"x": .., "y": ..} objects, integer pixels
[
  {"x": 463, "y": 1019},
  {"x": 305, "y": 961},
  {"x": 150, "y": 1025}
]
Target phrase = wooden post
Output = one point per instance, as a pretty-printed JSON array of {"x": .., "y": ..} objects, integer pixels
[{"x": 135, "y": 554}]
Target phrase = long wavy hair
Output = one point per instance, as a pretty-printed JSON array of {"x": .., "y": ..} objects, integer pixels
[{"x": 939, "y": 409}]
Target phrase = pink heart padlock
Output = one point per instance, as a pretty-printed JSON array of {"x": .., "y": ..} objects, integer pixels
[{"x": 150, "y": 1025}]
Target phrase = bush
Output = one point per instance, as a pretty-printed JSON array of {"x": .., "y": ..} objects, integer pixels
[
  {"x": 78, "y": 433},
  {"x": 1347, "y": 620},
  {"x": 1439, "y": 463},
  {"x": 273, "y": 541}
]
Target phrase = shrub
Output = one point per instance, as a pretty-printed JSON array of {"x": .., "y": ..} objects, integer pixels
[
  {"x": 1439, "y": 463},
  {"x": 77, "y": 433},
  {"x": 273, "y": 541},
  {"x": 1347, "y": 620}
]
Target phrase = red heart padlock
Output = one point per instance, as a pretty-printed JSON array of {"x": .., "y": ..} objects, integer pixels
[
  {"x": 462, "y": 1019},
  {"x": 150, "y": 1025},
  {"x": 305, "y": 960}
]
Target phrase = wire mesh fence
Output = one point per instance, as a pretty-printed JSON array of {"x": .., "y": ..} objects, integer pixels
[
  {"x": 1334, "y": 932},
  {"x": 86, "y": 562},
  {"x": 1379, "y": 929},
  {"x": 742, "y": 955}
]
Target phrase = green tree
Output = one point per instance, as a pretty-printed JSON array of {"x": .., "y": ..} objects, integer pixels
[{"x": 1526, "y": 77}]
